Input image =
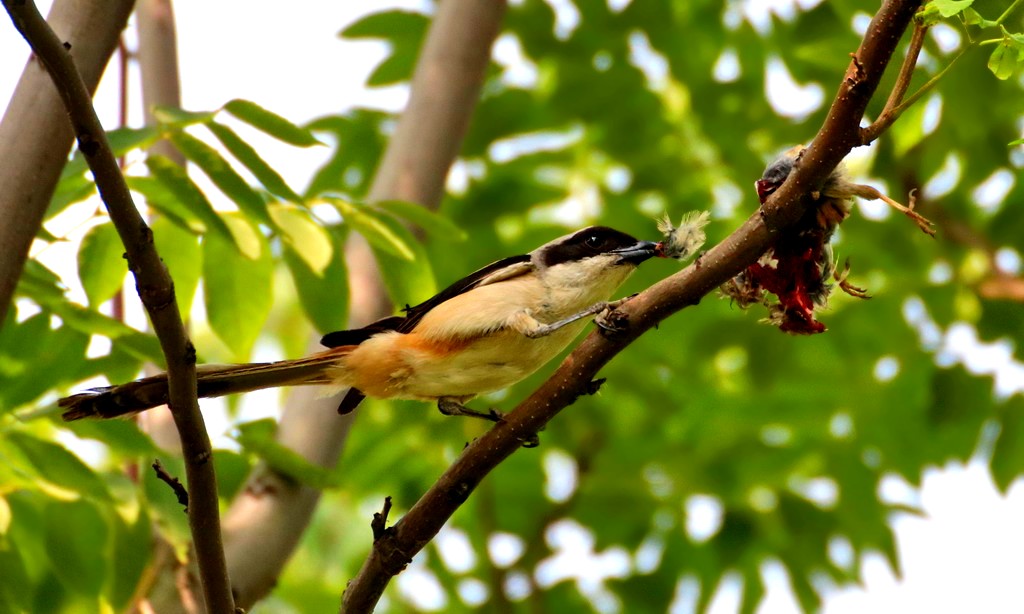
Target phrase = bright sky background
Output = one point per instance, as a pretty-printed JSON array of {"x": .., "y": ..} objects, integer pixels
[{"x": 966, "y": 555}]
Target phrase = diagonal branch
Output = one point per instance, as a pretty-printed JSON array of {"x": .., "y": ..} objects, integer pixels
[
  {"x": 838, "y": 135},
  {"x": 156, "y": 290}
]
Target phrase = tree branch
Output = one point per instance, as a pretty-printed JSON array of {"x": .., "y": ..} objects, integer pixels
[
  {"x": 839, "y": 134},
  {"x": 156, "y": 290}
]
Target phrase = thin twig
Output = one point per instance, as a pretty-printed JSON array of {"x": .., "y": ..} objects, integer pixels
[
  {"x": 892, "y": 109},
  {"x": 838, "y": 135},
  {"x": 1007, "y": 12},
  {"x": 156, "y": 290},
  {"x": 380, "y": 520},
  {"x": 928, "y": 85},
  {"x": 179, "y": 489}
]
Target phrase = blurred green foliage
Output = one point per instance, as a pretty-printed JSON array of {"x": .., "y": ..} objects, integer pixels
[{"x": 610, "y": 115}]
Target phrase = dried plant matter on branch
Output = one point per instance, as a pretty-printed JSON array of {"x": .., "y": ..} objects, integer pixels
[
  {"x": 156, "y": 290},
  {"x": 799, "y": 267}
]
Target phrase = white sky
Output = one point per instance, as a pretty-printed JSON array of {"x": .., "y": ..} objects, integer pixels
[{"x": 966, "y": 555}]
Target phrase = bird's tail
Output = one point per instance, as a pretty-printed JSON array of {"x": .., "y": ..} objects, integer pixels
[{"x": 323, "y": 368}]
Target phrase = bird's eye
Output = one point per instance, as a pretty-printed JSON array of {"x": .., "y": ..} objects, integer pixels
[{"x": 593, "y": 241}]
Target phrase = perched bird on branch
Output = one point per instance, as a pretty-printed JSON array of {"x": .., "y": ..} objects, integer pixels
[{"x": 483, "y": 333}]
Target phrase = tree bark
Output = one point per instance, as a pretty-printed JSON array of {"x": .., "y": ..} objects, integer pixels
[{"x": 35, "y": 136}]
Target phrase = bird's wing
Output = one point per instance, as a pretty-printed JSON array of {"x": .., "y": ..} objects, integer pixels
[{"x": 501, "y": 270}]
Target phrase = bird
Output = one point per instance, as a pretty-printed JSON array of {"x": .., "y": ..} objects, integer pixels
[
  {"x": 798, "y": 268},
  {"x": 482, "y": 333},
  {"x": 835, "y": 194}
]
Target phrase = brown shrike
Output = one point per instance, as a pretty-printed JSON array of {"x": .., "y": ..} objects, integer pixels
[{"x": 483, "y": 333}]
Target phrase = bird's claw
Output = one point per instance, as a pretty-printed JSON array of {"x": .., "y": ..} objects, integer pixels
[
  {"x": 846, "y": 286},
  {"x": 609, "y": 320},
  {"x": 530, "y": 441}
]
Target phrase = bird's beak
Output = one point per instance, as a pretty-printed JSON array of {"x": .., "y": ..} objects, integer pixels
[{"x": 636, "y": 253}]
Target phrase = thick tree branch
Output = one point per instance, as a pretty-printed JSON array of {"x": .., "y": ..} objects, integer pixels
[
  {"x": 156, "y": 290},
  {"x": 839, "y": 134},
  {"x": 34, "y": 134}
]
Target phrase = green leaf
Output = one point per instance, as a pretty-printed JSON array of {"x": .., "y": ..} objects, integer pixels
[
  {"x": 76, "y": 544},
  {"x": 123, "y": 437},
  {"x": 165, "y": 203},
  {"x": 238, "y": 290},
  {"x": 245, "y": 153},
  {"x": 948, "y": 8},
  {"x": 35, "y": 358},
  {"x": 909, "y": 131},
  {"x": 370, "y": 223},
  {"x": 131, "y": 554},
  {"x": 257, "y": 437},
  {"x": 177, "y": 182},
  {"x": 271, "y": 123},
  {"x": 1008, "y": 455},
  {"x": 936, "y": 10},
  {"x": 1003, "y": 60},
  {"x": 972, "y": 18},
  {"x": 387, "y": 25},
  {"x": 40, "y": 282},
  {"x": 432, "y": 223},
  {"x": 223, "y": 176},
  {"x": 101, "y": 266},
  {"x": 16, "y": 589},
  {"x": 233, "y": 469},
  {"x": 5, "y": 516},
  {"x": 179, "y": 118},
  {"x": 324, "y": 294},
  {"x": 180, "y": 251},
  {"x": 409, "y": 281},
  {"x": 1015, "y": 143},
  {"x": 123, "y": 140},
  {"x": 404, "y": 30},
  {"x": 250, "y": 241},
  {"x": 72, "y": 188},
  {"x": 60, "y": 467},
  {"x": 396, "y": 68},
  {"x": 35, "y": 284},
  {"x": 304, "y": 236}
]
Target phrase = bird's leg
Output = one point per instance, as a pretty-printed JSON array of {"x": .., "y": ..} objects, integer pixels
[
  {"x": 451, "y": 407},
  {"x": 870, "y": 193},
  {"x": 610, "y": 321},
  {"x": 848, "y": 287},
  {"x": 531, "y": 327}
]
